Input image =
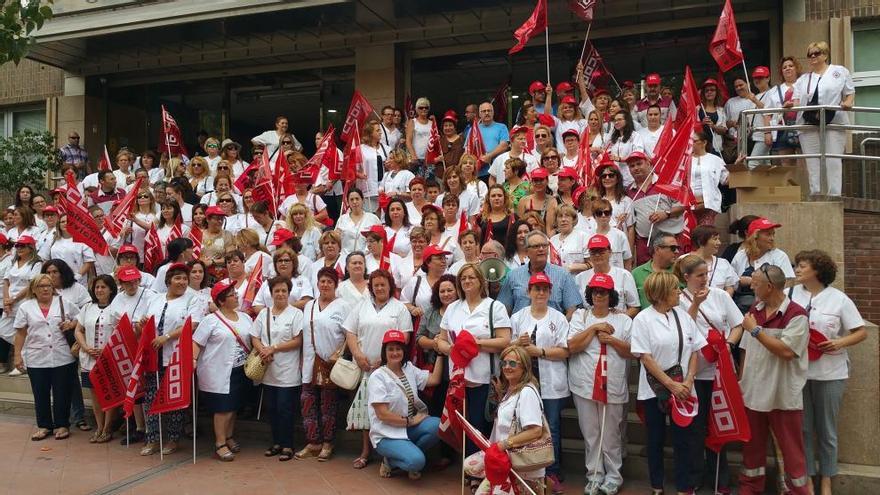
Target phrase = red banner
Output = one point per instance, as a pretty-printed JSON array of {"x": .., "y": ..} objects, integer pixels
[
  {"x": 409, "y": 108},
  {"x": 582, "y": 8},
  {"x": 195, "y": 235},
  {"x": 474, "y": 144},
  {"x": 673, "y": 168},
  {"x": 326, "y": 155},
  {"x": 536, "y": 22},
  {"x": 145, "y": 361},
  {"x": 725, "y": 47},
  {"x": 121, "y": 213},
  {"x": 170, "y": 140},
  {"x": 499, "y": 102},
  {"x": 254, "y": 281},
  {"x": 263, "y": 192},
  {"x": 596, "y": 73},
  {"x": 112, "y": 369},
  {"x": 175, "y": 391},
  {"x": 584, "y": 165},
  {"x": 358, "y": 112},
  {"x": 600, "y": 377},
  {"x": 727, "y": 411},
  {"x": 434, "y": 151},
  {"x": 352, "y": 158},
  {"x": 104, "y": 163},
  {"x": 82, "y": 227},
  {"x": 153, "y": 250},
  {"x": 72, "y": 190},
  {"x": 450, "y": 428}
]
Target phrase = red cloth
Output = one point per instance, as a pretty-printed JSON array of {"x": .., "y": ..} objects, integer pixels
[
  {"x": 145, "y": 361},
  {"x": 115, "y": 221},
  {"x": 582, "y": 8},
  {"x": 175, "y": 391},
  {"x": 464, "y": 350},
  {"x": 358, "y": 112},
  {"x": 254, "y": 281},
  {"x": 434, "y": 151},
  {"x": 104, "y": 163},
  {"x": 497, "y": 468},
  {"x": 600, "y": 376},
  {"x": 352, "y": 158},
  {"x": 787, "y": 426},
  {"x": 82, "y": 227},
  {"x": 725, "y": 47},
  {"x": 195, "y": 235},
  {"x": 153, "y": 252},
  {"x": 112, "y": 369},
  {"x": 170, "y": 140},
  {"x": 474, "y": 144},
  {"x": 536, "y": 22},
  {"x": 727, "y": 421}
]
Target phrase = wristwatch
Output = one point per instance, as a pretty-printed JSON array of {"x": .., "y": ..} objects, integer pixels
[{"x": 755, "y": 331}]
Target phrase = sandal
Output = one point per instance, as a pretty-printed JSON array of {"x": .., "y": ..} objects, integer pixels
[
  {"x": 94, "y": 437},
  {"x": 150, "y": 449},
  {"x": 62, "y": 434},
  {"x": 326, "y": 454},
  {"x": 40, "y": 434},
  {"x": 384, "y": 469},
  {"x": 170, "y": 448},
  {"x": 83, "y": 425},
  {"x": 360, "y": 462},
  {"x": 104, "y": 437},
  {"x": 306, "y": 453},
  {"x": 272, "y": 451},
  {"x": 233, "y": 445},
  {"x": 286, "y": 455},
  {"x": 229, "y": 456}
]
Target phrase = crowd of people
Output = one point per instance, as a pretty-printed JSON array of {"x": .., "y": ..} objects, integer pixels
[{"x": 388, "y": 271}]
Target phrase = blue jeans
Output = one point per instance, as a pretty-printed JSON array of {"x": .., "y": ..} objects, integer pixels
[
  {"x": 77, "y": 407},
  {"x": 655, "y": 421},
  {"x": 553, "y": 413},
  {"x": 409, "y": 455},
  {"x": 281, "y": 402},
  {"x": 475, "y": 403}
]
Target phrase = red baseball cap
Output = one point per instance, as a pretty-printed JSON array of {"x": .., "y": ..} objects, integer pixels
[
  {"x": 375, "y": 229},
  {"x": 683, "y": 412},
  {"x": 518, "y": 128},
  {"x": 219, "y": 287},
  {"x": 536, "y": 86},
  {"x": 450, "y": 115},
  {"x": 760, "y": 71},
  {"x": 600, "y": 92},
  {"x": 709, "y": 82},
  {"x": 601, "y": 281},
  {"x": 50, "y": 210},
  {"x": 178, "y": 266},
  {"x": 539, "y": 173},
  {"x": 629, "y": 84},
  {"x": 214, "y": 211},
  {"x": 433, "y": 250},
  {"x": 761, "y": 223},
  {"x": 432, "y": 206},
  {"x": 127, "y": 249},
  {"x": 571, "y": 132},
  {"x": 569, "y": 172},
  {"x": 568, "y": 100},
  {"x": 464, "y": 348},
  {"x": 3, "y": 239},
  {"x": 128, "y": 273},
  {"x": 540, "y": 278},
  {"x": 598, "y": 241},
  {"x": 813, "y": 349},
  {"x": 636, "y": 155},
  {"x": 394, "y": 336},
  {"x": 652, "y": 79},
  {"x": 26, "y": 239},
  {"x": 577, "y": 193},
  {"x": 281, "y": 236},
  {"x": 564, "y": 86}
]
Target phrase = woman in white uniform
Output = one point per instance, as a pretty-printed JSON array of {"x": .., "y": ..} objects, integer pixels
[
  {"x": 365, "y": 326},
  {"x": 221, "y": 350},
  {"x": 24, "y": 267},
  {"x": 79, "y": 257},
  {"x": 23, "y": 224},
  {"x": 543, "y": 332},
  {"x": 570, "y": 243},
  {"x": 277, "y": 335},
  {"x": 624, "y": 284},
  {"x": 395, "y": 181},
  {"x": 708, "y": 172},
  {"x": 706, "y": 240},
  {"x": 354, "y": 288},
  {"x": 286, "y": 264},
  {"x": 397, "y": 226},
  {"x": 622, "y": 142},
  {"x": 416, "y": 295},
  {"x": 330, "y": 245},
  {"x": 759, "y": 247},
  {"x": 42, "y": 349},
  {"x": 599, "y": 334},
  {"x": 487, "y": 320},
  {"x": 374, "y": 155},
  {"x": 351, "y": 224},
  {"x": 468, "y": 201}
]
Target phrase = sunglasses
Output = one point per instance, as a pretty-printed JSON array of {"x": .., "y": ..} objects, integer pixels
[
  {"x": 509, "y": 363},
  {"x": 551, "y": 157},
  {"x": 608, "y": 176},
  {"x": 813, "y": 54},
  {"x": 212, "y": 146},
  {"x": 286, "y": 142},
  {"x": 143, "y": 196},
  {"x": 75, "y": 138},
  {"x": 672, "y": 248},
  {"x": 19, "y": 245},
  {"x": 224, "y": 200},
  {"x": 600, "y": 292},
  {"x": 424, "y": 108},
  {"x": 222, "y": 168},
  {"x": 198, "y": 164},
  {"x": 542, "y": 135},
  {"x": 602, "y": 213}
]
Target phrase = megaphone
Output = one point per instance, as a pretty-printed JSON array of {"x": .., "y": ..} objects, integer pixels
[{"x": 493, "y": 269}]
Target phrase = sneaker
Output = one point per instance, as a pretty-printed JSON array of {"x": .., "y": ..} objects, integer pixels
[
  {"x": 15, "y": 372},
  {"x": 554, "y": 485},
  {"x": 592, "y": 488},
  {"x": 609, "y": 488}
]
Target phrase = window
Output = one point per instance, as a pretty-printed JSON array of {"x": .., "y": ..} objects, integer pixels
[
  {"x": 12, "y": 121},
  {"x": 866, "y": 70}
]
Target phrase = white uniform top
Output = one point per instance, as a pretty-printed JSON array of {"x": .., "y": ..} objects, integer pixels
[
  {"x": 313, "y": 268},
  {"x": 837, "y": 83},
  {"x": 656, "y": 334},
  {"x": 390, "y": 137},
  {"x": 138, "y": 233},
  {"x": 270, "y": 140},
  {"x": 76, "y": 294},
  {"x": 770, "y": 99},
  {"x": 497, "y": 167},
  {"x": 384, "y": 387},
  {"x": 405, "y": 269},
  {"x": 623, "y": 149},
  {"x": 548, "y": 331},
  {"x": 324, "y": 178},
  {"x": 370, "y": 164},
  {"x": 350, "y": 295},
  {"x": 300, "y": 288},
  {"x": 136, "y": 306},
  {"x": 397, "y": 181},
  {"x": 732, "y": 108},
  {"x": 75, "y": 254},
  {"x": 529, "y": 412},
  {"x": 328, "y": 332},
  {"x": 97, "y": 325},
  {"x": 723, "y": 316},
  {"x": 310, "y": 239},
  {"x": 775, "y": 256},
  {"x": 479, "y": 188},
  {"x": 220, "y": 350},
  {"x": 373, "y": 263},
  {"x": 649, "y": 139},
  {"x": 285, "y": 370},
  {"x": 573, "y": 247},
  {"x": 624, "y": 284},
  {"x": 164, "y": 234},
  {"x": 265, "y": 235},
  {"x": 620, "y": 250},
  {"x": 402, "y": 247},
  {"x": 369, "y": 324},
  {"x": 458, "y": 317},
  {"x": 45, "y": 345},
  {"x": 586, "y": 224},
  {"x": 178, "y": 310},
  {"x": 268, "y": 267},
  {"x": 707, "y": 173},
  {"x": 721, "y": 274},
  {"x": 468, "y": 202},
  {"x": 352, "y": 239},
  {"x": 14, "y": 233},
  {"x": 312, "y": 201},
  {"x": 833, "y": 314},
  {"x": 564, "y": 125},
  {"x": 415, "y": 215},
  {"x": 19, "y": 277},
  {"x": 423, "y": 298},
  {"x": 582, "y": 365}
]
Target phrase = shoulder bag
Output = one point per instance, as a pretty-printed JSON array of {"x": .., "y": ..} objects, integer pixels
[
  {"x": 536, "y": 454},
  {"x": 811, "y": 117},
  {"x": 675, "y": 371},
  {"x": 254, "y": 367},
  {"x": 492, "y": 400},
  {"x": 321, "y": 369},
  {"x": 786, "y": 139},
  {"x": 346, "y": 373}
]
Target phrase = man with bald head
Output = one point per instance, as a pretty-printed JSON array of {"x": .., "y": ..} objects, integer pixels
[{"x": 495, "y": 137}]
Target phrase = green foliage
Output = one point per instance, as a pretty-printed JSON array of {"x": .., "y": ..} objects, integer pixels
[
  {"x": 25, "y": 158},
  {"x": 18, "y": 19}
]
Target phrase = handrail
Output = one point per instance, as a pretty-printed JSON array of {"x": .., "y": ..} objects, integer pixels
[{"x": 864, "y": 169}]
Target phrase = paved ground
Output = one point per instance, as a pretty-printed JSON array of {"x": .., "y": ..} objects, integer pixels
[{"x": 74, "y": 466}]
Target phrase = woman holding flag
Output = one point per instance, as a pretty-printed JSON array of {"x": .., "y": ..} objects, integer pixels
[
  {"x": 599, "y": 343},
  {"x": 713, "y": 310}
]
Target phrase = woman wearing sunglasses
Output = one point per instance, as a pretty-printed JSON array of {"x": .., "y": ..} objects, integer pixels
[
  {"x": 621, "y": 254},
  {"x": 200, "y": 178},
  {"x": 758, "y": 248},
  {"x": 418, "y": 133}
]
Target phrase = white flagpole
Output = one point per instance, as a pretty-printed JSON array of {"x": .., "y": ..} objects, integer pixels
[
  {"x": 717, "y": 467},
  {"x": 602, "y": 436},
  {"x": 584, "y": 48},
  {"x": 651, "y": 230},
  {"x": 161, "y": 454},
  {"x": 194, "y": 408},
  {"x": 746, "y": 73},
  {"x": 547, "y": 40},
  {"x": 260, "y": 406}
]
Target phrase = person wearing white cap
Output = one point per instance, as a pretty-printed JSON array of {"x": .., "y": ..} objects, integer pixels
[{"x": 591, "y": 332}]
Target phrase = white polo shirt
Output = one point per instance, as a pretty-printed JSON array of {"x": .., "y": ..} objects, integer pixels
[
  {"x": 220, "y": 350},
  {"x": 384, "y": 387},
  {"x": 582, "y": 365},
  {"x": 549, "y": 331},
  {"x": 369, "y": 324},
  {"x": 624, "y": 284},
  {"x": 573, "y": 247},
  {"x": 326, "y": 326},
  {"x": 285, "y": 370},
  {"x": 45, "y": 345},
  {"x": 775, "y": 256},
  {"x": 458, "y": 317},
  {"x": 723, "y": 316}
]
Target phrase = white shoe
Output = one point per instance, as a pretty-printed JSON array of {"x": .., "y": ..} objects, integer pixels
[
  {"x": 15, "y": 372},
  {"x": 592, "y": 488}
]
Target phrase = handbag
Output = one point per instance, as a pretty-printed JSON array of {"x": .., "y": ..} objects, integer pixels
[
  {"x": 536, "y": 454},
  {"x": 420, "y": 406},
  {"x": 811, "y": 117},
  {"x": 492, "y": 400},
  {"x": 675, "y": 372},
  {"x": 69, "y": 335},
  {"x": 786, "y": 139},
  {"x": 254, "y": 367},
  {"x": 320, "y": 368},
  {"x": 346, "y": 374}
]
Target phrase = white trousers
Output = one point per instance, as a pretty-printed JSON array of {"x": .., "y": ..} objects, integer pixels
[
  {"x": 607, "y": 468},
  {"x": 834, "y": 143}
]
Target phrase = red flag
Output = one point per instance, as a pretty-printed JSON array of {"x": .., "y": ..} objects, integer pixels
[
  {"x": 673, "y": 168},
  {"x": 499, "y": 102},
  {"x": 582, "y": 8},
  {"x": 434, "y": 151},
  {"x": 72, "y": 190},
  {"x": 450, "y": 428},
  {"x": 104, "y": 163},
  {"x": 145, "y": 361},
  {"x": 725, "y": 47},
  {"x": 352, "y": 159},
  {"x": 555, "y": 258},
  {"x": 727, "y": 413},
  {"x": 244, "y": 180},
  {"x": 722, "y": 87},
  {"x": 170, "y": 140},
  {"x": 195, "y": 235},
  {"x": 82, "y": 227},
  {"x": 112, "y": 369},
  {"x": 283, "y": 179},
  {"x": 584, "y": 165},
  {"x": 600, "y": 377},
  {"x": 462, "y": 222},
  {"x": 176, "y": 229},
  {"x": 263, "y": 192},
  {"x": 254, "y": 281},
  {"x": 536, "y": 22},
  {"x": 409, "y": 107},
  {"x": 153, "y": 251},
  {"x": 387, "y": 246},
  {"x": 357, "y": 115},
  {"x": 122, "y": 212},
  {"x": 596, "y": 73},
  {"x": 176, "y": 388},
  {"x": 475, "y": 145},
  {"x": 690, "y": 223},
  {"x": 689, "y": 103},
  {"x": 326, "y": 155}
]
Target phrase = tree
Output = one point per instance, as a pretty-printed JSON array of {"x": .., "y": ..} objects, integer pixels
[
  {"x": 18, "y": 19},
  {"x": 26, "y": 158}
]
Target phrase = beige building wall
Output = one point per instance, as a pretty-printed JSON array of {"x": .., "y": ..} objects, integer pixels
[{"x": 29, "y": 82}]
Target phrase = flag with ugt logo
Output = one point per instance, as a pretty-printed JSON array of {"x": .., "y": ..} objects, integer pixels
[{"x": 175, "y": 391}]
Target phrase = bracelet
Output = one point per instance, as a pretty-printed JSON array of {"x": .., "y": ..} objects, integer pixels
[
  {"x": 543, "y": 352},
  {"x": 407, "y": 421}
]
